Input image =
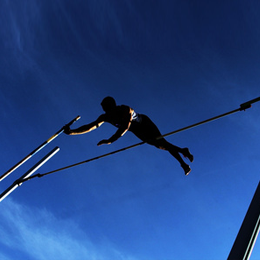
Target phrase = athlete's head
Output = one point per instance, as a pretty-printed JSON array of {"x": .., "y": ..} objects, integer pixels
[{"x": 108, "y": 103}]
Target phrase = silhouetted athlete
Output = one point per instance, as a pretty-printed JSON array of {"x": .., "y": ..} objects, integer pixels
[{"x": 126, "y": 119}]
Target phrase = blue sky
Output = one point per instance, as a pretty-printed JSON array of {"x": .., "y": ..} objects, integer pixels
[{"x": 179, "y": 62}]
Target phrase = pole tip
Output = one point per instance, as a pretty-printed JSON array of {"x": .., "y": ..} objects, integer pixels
[{"x": 248, "y": 104}]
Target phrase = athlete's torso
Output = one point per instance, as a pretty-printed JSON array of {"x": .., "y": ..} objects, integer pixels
[{"x": 121, "y": 115}]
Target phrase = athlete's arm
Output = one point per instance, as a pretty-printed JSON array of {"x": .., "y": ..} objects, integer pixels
[
  {"x": 86, "y": 128},
  {"x": 126, "y": 123}
]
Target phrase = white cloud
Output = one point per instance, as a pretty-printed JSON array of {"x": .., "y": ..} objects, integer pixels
[
  {"x": 38, "y": 234},
  {"x": 4, "y": 257}
]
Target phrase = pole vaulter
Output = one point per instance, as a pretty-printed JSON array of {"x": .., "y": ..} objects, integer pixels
[
  {"x": 38, "y": 149},
  {"x": 242, "y": 107}
]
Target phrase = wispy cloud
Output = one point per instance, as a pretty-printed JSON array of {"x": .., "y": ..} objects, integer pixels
[
  {"x": 18, "y": 33},
  {"x": 38, "y": 234}
]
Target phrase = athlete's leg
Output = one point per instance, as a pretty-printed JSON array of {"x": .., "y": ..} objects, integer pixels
[
  {"x": 148, "y": 132},
  {"x": 174, "y": 151}
]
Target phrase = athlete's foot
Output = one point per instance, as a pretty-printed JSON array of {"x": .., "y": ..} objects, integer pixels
[
  {"x": 186, "y": 169},
  {"x": 186, "y": 153}
]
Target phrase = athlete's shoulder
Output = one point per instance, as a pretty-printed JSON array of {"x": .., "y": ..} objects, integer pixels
[
  {"x": 124, "y": 108},
  {"x": 102, "y": 118}
]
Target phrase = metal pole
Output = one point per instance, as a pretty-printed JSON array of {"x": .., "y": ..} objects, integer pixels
[
  {"x": 28, "y": 173},
  {"x": 37, "y": 149},
  {"x": 243, "y": 106},
  {"x": 247, "y": 235}
]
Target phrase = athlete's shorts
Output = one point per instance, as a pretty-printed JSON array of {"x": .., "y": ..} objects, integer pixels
[{"x": 145, "y": 129}]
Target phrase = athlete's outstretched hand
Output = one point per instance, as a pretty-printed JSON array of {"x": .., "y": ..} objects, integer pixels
[
  {"x": 67, "y": 130},
  {"x": 104, "y": 141}
]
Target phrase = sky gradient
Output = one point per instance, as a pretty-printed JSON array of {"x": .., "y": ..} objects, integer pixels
[{"x": 179, "y": 62}]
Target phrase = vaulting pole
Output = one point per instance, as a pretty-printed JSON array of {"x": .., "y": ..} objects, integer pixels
[
  {"x": 37, "y": 149},
  {"x": 28, "y": 173},
  {"x": 247, "y": 235}
]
